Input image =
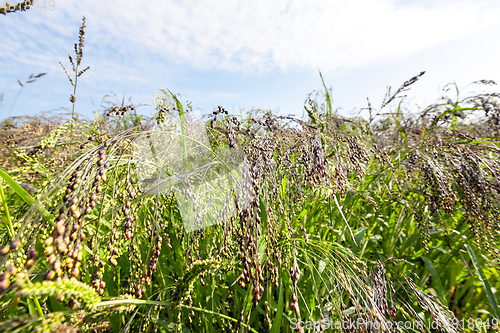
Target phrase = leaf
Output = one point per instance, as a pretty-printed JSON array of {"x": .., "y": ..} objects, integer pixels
[
  {"x": 453, "y": 122},
  {"x": 435, "y": 278},
  {"x": 31, "y": 307},
  {"x": 171, "y": 327},
  {"x": 321, "y": 266},
  {"x": 182, "y": 139},
  {"x": 401, "y": 130},
  {"x": 27, "y": 198},
  {"x": 341, "y": 213},
  {"x": 302, "y": 213},
  {"x": 7, "y": 222},
  {"x": 277, "y": 320},
  {"x": 360, "y": 234},
  {"x": 486, "y": 284},
  {"x": 328, "y": 98},
  {"x": 17, "y": 188},
  {"x": 283, "y": 188},
  {"x": 178, "y": 103}
]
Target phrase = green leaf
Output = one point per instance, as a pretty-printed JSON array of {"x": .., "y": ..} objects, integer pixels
[
  {"x": 182, "y": 139},
  {"x": 7, "y": 221},
  {"x": 360, "y": 234},
  {"x": 31, "y": 307},
  {"x": 453, "y": 122},
  {"x": 345, "y": 220},
  {"x": 328, "y": 97},
  {"x": 277, "y": 320},
  {"x": 401, "y": 130},
  {"x": 435, "y": 278},
  {"x": 283, "y": 188},
  {"x": 17, "y": 188},
  {"x": 486, "y": 284},
  {"x": 171, "y": 327},
  {"x": 178, "y": 103},
  {"x": 26, "y": 197}
]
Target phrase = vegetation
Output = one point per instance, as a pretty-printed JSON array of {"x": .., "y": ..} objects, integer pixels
[{"x": 335, "y": 220}]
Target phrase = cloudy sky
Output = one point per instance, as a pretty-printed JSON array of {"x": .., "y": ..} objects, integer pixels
[{"x": 246, "y": 54}]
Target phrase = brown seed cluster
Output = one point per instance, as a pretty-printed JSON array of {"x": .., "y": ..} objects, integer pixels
[
  {"x": 286, "y": 165},
  {"x": 120, "y": 110},
  {"x": 5, "y": 277},
  {"x": 154, "y": 259},
  {"x": 21, "y": 6},
  {"x": 220, "y": 110},
  {"x": 79, "y": 47},
  {"x": 450, "y": 175},
  {"x": 63, "y": 248},
  {"x": 295, "y": 276},
  {"x": 137, "y": 278}
]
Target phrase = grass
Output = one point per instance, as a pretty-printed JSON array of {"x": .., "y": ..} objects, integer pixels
[{"x": 326, "y": 220}]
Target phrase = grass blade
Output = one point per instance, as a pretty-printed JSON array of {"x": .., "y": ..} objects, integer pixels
[
  {"x": 26, "y": 197},
  {"x": 8, "y": 222},
  {"x": 279, "y": 313},
  {"x": 328, "y": 97},
  {"x": 347, "y": 223},
  {"x": 484, "y": 281},
  {"x": 398, "y": 125},
  {"x": 435, "y": 278}
]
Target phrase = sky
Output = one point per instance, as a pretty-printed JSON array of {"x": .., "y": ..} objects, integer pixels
[{"x": 245, "y": 54}]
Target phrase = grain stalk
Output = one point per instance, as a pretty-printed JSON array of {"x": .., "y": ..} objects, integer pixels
[{"x": 75, "y": 65}]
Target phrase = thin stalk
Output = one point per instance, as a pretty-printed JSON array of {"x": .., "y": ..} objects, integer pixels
[
  {"x": 74, "y": 94},
  {"x": 14, "y": 102},
  {"x": 38, "y": 307},
  {"x": 217, "y": 314},
  {"x": 7, "y": 221},
  {"x": 146, "y": 302}
]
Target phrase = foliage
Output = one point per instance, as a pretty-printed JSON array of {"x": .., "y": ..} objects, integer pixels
[{"x": 346, "y": 220}]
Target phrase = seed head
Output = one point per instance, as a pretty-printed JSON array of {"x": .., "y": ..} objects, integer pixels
[{"x": 5, "y": 249}]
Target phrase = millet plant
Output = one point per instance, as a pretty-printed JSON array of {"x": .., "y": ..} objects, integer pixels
[{"x": 336, "y": 220}]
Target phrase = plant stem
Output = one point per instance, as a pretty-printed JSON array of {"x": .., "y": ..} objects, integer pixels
[
  {"x": 74, "y": 94},
  {"x": 14, "y": 102},
  {"x": 7, "y": 222},
  {"x": 146, "y": 302},
  {"x": 38, "y": 307}
]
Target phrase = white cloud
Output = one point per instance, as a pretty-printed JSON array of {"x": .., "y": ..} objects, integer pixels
[
  {"x": 248, "y": 36},
  {"x": 260, "y": 35}
]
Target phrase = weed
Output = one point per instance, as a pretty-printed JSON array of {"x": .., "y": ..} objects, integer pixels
[{"x": 318, "y": 218}]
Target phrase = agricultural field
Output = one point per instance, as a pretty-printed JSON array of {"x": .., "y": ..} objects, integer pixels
[{"x": 253, "y": 223}]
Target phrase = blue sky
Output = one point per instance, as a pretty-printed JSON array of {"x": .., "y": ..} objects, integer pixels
[{"x": 246, "y": 54}]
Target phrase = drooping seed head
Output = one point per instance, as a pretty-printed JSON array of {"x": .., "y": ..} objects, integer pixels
[
  {"x": 5, "y": 249},
  {"x": 50, "y": 275},
  {"x": 56, "y": 266},
  {"x": 62, "y": 248},
  {"x": 14, "y": 243},
  {"x": 51, "y": 259},
  {"x": 4, "y": 284},
  {"x": 48, "y": 250},
  {"x": 29, "y": 263},
  {"x": 75, "y": 272}
]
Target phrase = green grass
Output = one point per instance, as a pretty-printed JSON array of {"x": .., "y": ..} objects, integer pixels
[{"x": 386, "y": 220}]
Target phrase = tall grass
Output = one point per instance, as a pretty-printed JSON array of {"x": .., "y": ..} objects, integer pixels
[{"x": 344, "y": 220}]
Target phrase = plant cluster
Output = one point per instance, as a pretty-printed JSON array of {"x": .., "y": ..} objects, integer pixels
[
  {"x": 21, "y": 6},
  {"x": 151, "y": 225}
]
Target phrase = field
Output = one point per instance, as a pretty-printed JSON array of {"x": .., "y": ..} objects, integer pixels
[{"x": 254, "y": 223}]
